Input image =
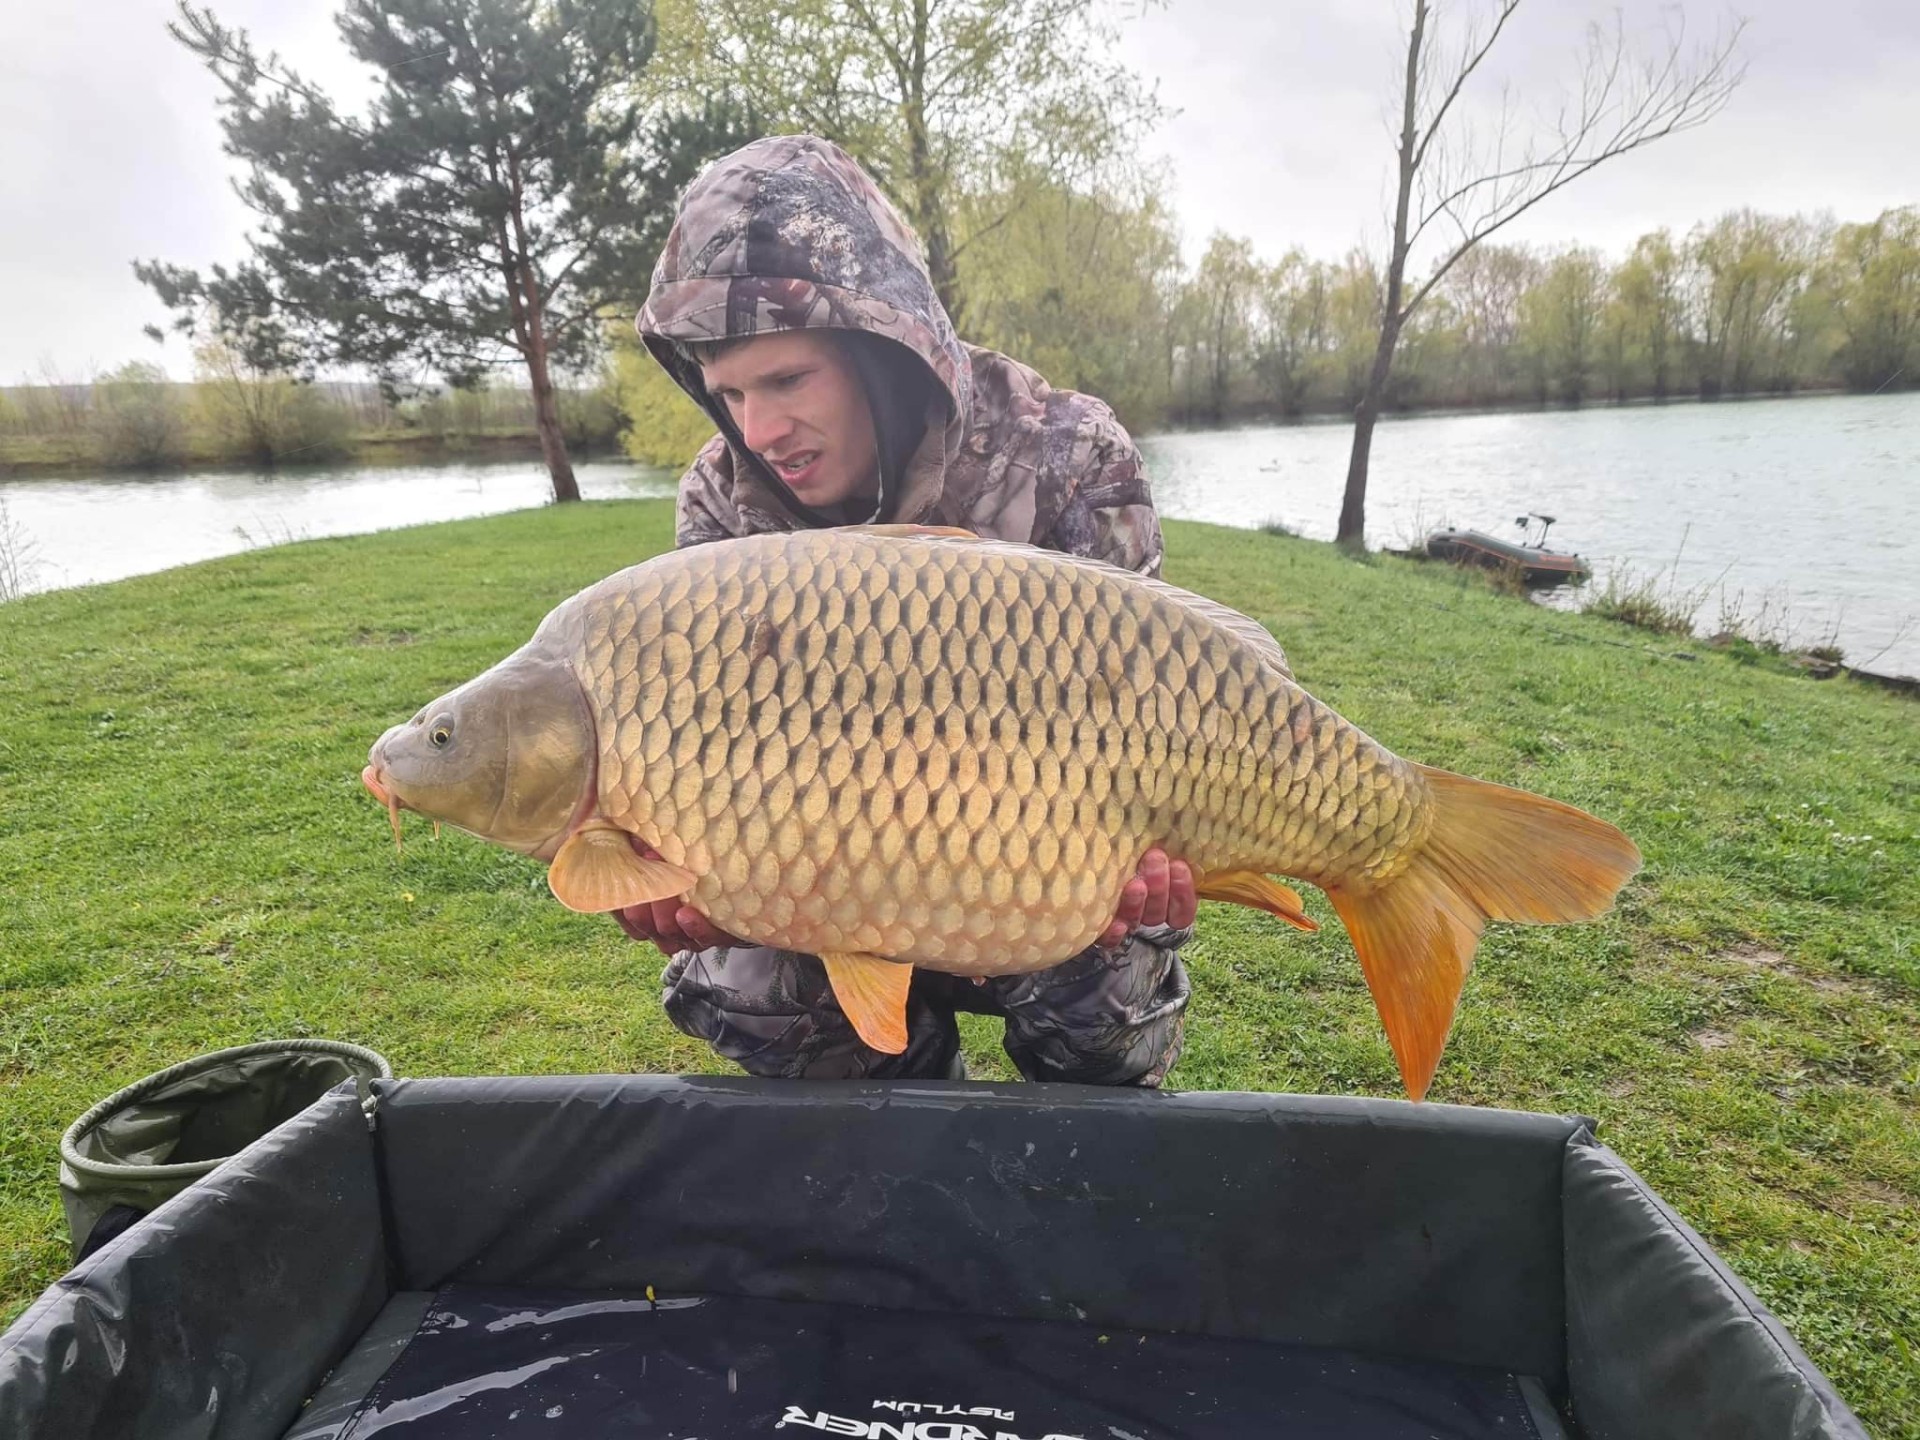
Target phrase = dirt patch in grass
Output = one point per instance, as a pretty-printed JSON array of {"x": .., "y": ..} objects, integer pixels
[
  {"x": 1878, "y": 1193},
  {"x": 1758, "y": 957}
]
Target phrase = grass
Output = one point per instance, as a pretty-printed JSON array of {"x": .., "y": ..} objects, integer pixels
[{"x": 190, "y": 862}]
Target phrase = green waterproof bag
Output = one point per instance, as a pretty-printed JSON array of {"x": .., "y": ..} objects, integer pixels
[{"x": 148, "y": 1142}]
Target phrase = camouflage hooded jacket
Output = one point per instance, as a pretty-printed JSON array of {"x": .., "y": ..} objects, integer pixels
[{"x": 789, "y": 233}]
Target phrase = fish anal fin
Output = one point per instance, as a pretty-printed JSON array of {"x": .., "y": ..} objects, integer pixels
[
  {"x": 597, "y": 869},
  {"x": 1250, "y": 887},
  {"x": 873, "y": 993}
]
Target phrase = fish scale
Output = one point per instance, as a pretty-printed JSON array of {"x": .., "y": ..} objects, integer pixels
[{"x": 954, "y": 725}]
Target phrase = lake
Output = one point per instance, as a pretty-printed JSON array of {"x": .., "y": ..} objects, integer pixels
[{"x": 1802, "y": 513}]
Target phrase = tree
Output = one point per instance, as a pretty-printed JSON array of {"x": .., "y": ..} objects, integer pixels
[
  {"x": 1353, "y": 319},
  {"x": 1650, "y": 299},
  {"x": 506, "y": 192},
  {"x": 1076, "y": 280},
  {"x": 934, "y": 97},
  {"x": 1747, "y": 270},
  {"x": 1874, "y": 277},
  {"x": 1471, "y": 188},
  {"x": 1560, "y": 323},
  {"x": 1292, "y": 297},
  {"x": 1223, "y": 285},
  {"x": 1485, "y": 289}
]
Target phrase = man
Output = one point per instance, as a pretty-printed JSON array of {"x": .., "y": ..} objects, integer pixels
[{"x": 791, "y": 303}]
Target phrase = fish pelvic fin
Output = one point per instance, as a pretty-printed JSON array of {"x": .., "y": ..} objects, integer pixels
[
  {"x": 597, "y": 869},
  {"x": 1250, "y": 887},
  {"x": 873, "y": 993},
  {"x": 1493, "y": 853}
]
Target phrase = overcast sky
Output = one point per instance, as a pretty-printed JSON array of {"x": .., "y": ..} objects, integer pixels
[{"x": 109, "y": 148}]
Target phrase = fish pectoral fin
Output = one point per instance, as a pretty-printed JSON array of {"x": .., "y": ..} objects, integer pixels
[
  {"x": 1250, "y": 887},
  {"x": 597, "y": 869},
  {"x": 873, "y": 993}
]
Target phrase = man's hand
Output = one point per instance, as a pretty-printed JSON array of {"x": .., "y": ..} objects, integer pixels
[
  {"x": 1160, "y": 893},
  {"x": 670, "y": 924}
]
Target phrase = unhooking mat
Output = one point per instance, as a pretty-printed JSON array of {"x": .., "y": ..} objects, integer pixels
[{"x": 477, "y": 1363}]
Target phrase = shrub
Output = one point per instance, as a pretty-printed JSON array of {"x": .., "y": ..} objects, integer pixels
[
  {"x": 264, "y": 417},
  {"x": 19, "y": 558},
  {"x": 1646, "y": 603},
  {"x": 137, "y": 418}
]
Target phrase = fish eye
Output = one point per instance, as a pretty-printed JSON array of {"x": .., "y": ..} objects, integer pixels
[{"x": 442, "y": 732}]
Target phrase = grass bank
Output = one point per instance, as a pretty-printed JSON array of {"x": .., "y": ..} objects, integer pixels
[{"x": 190, "y": 862}]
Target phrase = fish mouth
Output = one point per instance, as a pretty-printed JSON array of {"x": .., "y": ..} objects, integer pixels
[{"x": 370, "y": 777}]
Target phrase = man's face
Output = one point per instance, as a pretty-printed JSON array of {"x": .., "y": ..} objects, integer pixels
[{"x": 801, "y": 408}]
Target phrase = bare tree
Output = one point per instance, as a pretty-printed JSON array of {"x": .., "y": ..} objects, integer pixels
[{"x": 1463, "y": 186}]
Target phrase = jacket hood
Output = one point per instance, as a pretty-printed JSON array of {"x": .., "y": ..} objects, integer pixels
[{"x": 788, "y": 233}]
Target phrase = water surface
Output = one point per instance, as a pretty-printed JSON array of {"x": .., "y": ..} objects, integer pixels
[
  {"x": 1801, "y": 515},
  {"x": 81, "y": 530}
]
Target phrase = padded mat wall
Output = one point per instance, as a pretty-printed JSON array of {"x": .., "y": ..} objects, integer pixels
[{"x": 1423, "y": 1231}]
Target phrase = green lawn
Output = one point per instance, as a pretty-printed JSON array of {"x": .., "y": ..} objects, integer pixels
[{"x": 189, "y": 861}]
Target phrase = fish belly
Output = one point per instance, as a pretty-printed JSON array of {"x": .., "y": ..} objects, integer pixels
[{"x": 955, "y": 754}]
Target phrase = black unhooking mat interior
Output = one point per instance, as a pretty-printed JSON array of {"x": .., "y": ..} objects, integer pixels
[
  {"x": 576, "y": 1365},
  {"x": 957, "y": 1245}
]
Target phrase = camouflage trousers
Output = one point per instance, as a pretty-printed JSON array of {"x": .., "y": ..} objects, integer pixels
[{"x": 1102, "y": 1018}]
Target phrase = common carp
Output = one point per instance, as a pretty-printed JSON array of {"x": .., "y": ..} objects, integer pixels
[{"x": 893, "y": 746}]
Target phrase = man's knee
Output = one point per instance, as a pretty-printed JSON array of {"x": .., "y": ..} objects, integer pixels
[
  {"x": 772, "y": 1013},
  {"x": 1101, "y": 1018}
]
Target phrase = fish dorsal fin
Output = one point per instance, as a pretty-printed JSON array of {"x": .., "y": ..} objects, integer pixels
[
  {"x": 1249, "y": 887},
  {"x": 597, "y": 869},
  {"x": 873, "y": 993},
  {"x": 925, "y": 532}
]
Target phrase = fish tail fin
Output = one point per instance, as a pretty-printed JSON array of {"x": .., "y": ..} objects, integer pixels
[{"x": 1492, "y": 853}]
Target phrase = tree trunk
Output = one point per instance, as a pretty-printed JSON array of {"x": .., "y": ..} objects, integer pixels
[
  {"x": 940, "y": 266},
  {"x": 528, "y": 306},
  {"x": 930, "y": 215},
  {"x": 546, "y": 418},
  {"x": 1352, "y": 533}
]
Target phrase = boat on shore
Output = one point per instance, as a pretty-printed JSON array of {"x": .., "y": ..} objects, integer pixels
[{"x": 1539, "y": 567}]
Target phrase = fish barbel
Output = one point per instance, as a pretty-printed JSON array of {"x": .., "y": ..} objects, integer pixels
[{"x": 891, "y": 746}]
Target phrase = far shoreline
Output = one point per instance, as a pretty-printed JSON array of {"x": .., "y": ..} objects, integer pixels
[
  {"x": 369, "y": 452},
  {"x": 17, "y": 462},
  {"x": 1314, "y": 418}
]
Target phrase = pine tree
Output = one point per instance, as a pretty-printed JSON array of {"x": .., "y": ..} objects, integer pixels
[{"x": 506, "y": 193}]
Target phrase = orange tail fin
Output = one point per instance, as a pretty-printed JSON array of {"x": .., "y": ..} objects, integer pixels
[{"x": 1493, "y": 854}]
